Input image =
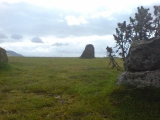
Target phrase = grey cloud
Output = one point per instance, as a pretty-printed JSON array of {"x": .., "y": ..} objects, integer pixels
[
  {"x": 36, "y": 40},
  {"x": 60, "y": 44},
  {"x": 29, "y": 20},
  {"x": 34, "y": 21},
  {"x": 16, "y": 36},
  {"x": 1, "y": 41},
  {"x": 2, "y": 36}
]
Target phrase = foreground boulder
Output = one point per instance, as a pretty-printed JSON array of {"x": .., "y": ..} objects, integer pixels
[
  {"x": 3, "y": 56},
  {"x": 88, "y": 52},
  {"x": 143, "y": 55},
  {"x": 140, "y": 79},
  {"x": 142, "y": 64}
]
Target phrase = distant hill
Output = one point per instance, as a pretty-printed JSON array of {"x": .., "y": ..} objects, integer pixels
[{"x": 12, "y": 53}]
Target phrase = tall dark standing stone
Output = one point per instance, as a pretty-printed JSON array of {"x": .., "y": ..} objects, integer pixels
[
  {"x": 3, "y": 56},
  {"x": 142, "y": 64},
  {"x": 88, "y": 52}
]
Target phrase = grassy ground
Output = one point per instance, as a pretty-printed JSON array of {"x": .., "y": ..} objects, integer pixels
[{"x": 71, "y": 89}]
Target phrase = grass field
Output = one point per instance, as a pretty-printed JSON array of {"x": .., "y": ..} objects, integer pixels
[{"x": 71, "y": 89}]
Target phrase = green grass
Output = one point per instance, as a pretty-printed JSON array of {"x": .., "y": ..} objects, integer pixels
[
  {"x": 71, "y": 89},
  {"x": 4, "y": 66}
]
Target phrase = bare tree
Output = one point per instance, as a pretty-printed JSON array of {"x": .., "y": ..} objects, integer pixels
[
  {"x": 156, "y": 21},
  {"x": 112, "y": 61}
]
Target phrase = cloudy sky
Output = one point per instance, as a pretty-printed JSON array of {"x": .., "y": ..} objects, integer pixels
[{"x": 62, "y": 28}]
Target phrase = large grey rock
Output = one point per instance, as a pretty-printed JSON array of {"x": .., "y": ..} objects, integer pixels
[
  {"x": 3, "y": 56},
  {"x": 142, "y": 64},
  {"x": 140, "y": 79},
  {"x": 143, "y": 55},
  {"x": 88, "y": 52}
]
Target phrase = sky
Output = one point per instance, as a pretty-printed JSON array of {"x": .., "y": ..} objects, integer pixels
[{"x": 62, "y": 28}]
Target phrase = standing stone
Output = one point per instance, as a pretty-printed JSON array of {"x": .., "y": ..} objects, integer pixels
[
  {"x": 3, "y": 56},
  {"x": 88, "y": 52},
  {"x": 142, "y": 64}
]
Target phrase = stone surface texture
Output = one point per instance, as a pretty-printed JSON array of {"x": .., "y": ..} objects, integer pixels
[
  {"x": 140, "y": 79},
  {"x": 142, "y": 64},
  {"x": 143, "y": 55}
]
